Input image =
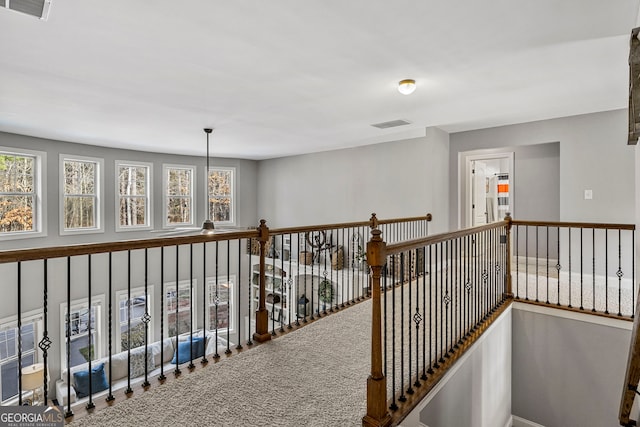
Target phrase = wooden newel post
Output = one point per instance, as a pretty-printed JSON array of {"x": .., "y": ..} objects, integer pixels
[
  {"x": 377, "y": 413},
  {"x": 262, "y": 315},
  {"x": 507, "y": 279}
]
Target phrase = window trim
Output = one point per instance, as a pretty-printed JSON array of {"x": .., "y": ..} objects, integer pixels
[
  {"x": 135, "y": 292},
  {"x": 232, "y": 215},
  {"x": 165, "y": 195},
  {"x": 40, "y": 211},
  {"x": 211, "y": 282},
  {"x": 97, "y": 300},
  {"x": 148, "y": 196},
  {"x": 98, "y": 185},
  {"x": 37, "y": 317},
  {"x": 194, "y": 305}
]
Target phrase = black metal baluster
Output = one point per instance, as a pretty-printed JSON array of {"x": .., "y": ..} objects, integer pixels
[
  {"x": 581, "y": 270},
  {"x": 517, "y": 232},
  {"x": 191, "y": 365},
  {"x": 393, "y": 405},
  {"x": 343, "y": 268},
  {"x": 424, "y": 311},
  {"x": 19, "y": 328},
  {"x": 229, "y": 294},
  {"x": 409, "y": 389},
  {"x": 146, "y": 318},
  {"x": 283, "y": 284},
  {"x": 177, "y": 370},
  {"x": 430, "y": 315},
  {"x": 467, "y": 286},
  {"x": 570, "y": 260},
  {"x": 162, "y": 377},
  {"x": 633, "y": 272},
  {"x": 619, "y": 273},
  {"x": 249, "y": 292},
  {"x": 558, "y": 266},
  {"x": 69, "y": 412},
  {"x": 205, "y": 301},
  {"x": 446, "y": 299},
  {"x": 238, "y": 289},
  {"x": 45, "y": 342},
  {"x": 436, "y": 347},
  {"x": 442, "y": 349},
  {"x": 417, "y": 318},
  {"x": 216, "y": 298},
  {"x": 110, "y": 397},
  {"x": 606, "y": 271},
  {"x": 402, "y": 397},
  {"x": 537, "y": 273},
  {"x": 129, "y": 390},
  {"x": 90, "y": 404},
  {"x": 526, "y": 263},
  {"x": 593, "y": 268},
  {"x": 547, "y": 264}
]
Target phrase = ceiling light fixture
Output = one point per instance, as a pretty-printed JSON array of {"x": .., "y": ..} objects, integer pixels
[
  {"x": 207, "y": 225},
  {"x": 406, "y": 86}
]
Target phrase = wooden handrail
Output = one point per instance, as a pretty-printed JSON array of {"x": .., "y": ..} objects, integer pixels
[
  {"x": 575, "y": 225},
  {"x": 308, "y": 228},
  {"x": 442, "y": 237}
]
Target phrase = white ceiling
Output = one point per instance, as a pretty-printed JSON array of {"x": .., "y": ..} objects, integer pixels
[{"x": 285, "y": 77}]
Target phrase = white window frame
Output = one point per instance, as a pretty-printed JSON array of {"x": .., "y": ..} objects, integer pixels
[
  {"x": 211, "y": 287},
  {"x": 165, "y": 196},
  {"x": 232, "y": 208},
  {"x": 99, "y": 302},
  {"x": 147, "y": 196},
  {"x": 36, "y": 317},
  {"x": 40, "y": 189},
  {"x": 99, "y": 188},
  {"x": 182, "y": 284},
  {"x": 135, "y": 293}
]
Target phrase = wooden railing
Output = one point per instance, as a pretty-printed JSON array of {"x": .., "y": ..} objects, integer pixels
[
  {"x": 96, "y": 306},
  {"x": 431, "y": 298},
  {"x": 576, "y": 266}
]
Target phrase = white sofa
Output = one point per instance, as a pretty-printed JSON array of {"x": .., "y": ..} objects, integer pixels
[{"x": 119, "y": 365}]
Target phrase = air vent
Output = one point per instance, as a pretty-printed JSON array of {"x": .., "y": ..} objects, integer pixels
[
  {"x": 37, "y": 8},
  {"x": 391, "y": 124}
]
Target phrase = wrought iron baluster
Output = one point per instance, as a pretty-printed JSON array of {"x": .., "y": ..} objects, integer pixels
[
  {"x": 593, "y": 269},
  {"x": 526, "y": 263},
  {"x": 146, "y": 318},
  {"x": 570, "y": 260},
  {"x": 216, "y": 298},
  {"x": 177, "y": 370},
  {"x": 446, "y": 299},
  {"x": 238, "y": 290},
  {"x": 129, "y": 390},
  {"x": 409, "y": 389},
  {"x": 249, "y": 292},
  {"x": 45, "y": 342},
  {"x": 442, "y": 349},
  {"x": 430, "y": 315},
  {"x": 424, "y": 311},
  {"x": 581, "y": 270},
  {"x": 69, "y": 412},
  {"x": 228, "y": 349},
  {"x": 90, "y": 404},
  {"x": 547, "y": 264},
  {"x": 537, "y": 272},
  {"x": 402, "y": 397},
  {"x": 619, "y": 273},
  {"x": 393, "y": 405},
  {"x": 191, "y": 365},
  {"x": 558, "y": 266},
  {"x": 606, "y": 271},
  {"x": 205, "y": 302},
  {"x": 162, "y": 377},
  {"x": 19, "y": 328},
  {"x": 437, "y": 301}
]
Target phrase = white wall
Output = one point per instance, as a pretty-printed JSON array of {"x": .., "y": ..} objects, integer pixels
[
  {"x": 477, "y": 391},
  {"x": 593, "y": 155},
  {"x": 568, "y": 369},
  {"x": 394, "y": 179}
]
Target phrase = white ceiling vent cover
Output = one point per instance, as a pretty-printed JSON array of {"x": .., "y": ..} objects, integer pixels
[
  {"x": 392, "y": 124},
  {"x": 37, "y": 8}
]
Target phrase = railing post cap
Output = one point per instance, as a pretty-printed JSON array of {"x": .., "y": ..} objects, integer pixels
[
  {"x": 429, "y": 217},
  {"x": 373, "y": 222},
  {"x": 377, "y": 235}
]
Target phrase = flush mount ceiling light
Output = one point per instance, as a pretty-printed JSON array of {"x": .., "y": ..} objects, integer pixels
[
  {"x": 207, "y": 225},
  {"x": 406, "y": 86}
]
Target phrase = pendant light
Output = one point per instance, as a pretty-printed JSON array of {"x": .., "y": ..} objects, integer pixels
[{"x": 207, "y": 225}]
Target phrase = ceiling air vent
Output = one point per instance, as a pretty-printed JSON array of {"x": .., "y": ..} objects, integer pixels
[
  {"x": 391, "y": 124},
  {"x": 37, "y": 8}
]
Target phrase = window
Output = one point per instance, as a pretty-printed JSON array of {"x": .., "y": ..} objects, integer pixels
[
  {"x": 178, "y": 307},
  {"x": 21, "y": 194},
  {"x": 139, "y": 305},
  {"x": 220, "y": 197},
  {"x": 133, "y": 204},
  {"x": 86, "y": 332},
  {"x": 80, "y": 203},
  {"x": 178, "y": 182},
  {"x": 31, "y": 335},
  {"x": 224, "y": 292}
]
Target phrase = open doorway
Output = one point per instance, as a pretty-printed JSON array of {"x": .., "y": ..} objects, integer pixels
[{"x": 489, "y": 188}]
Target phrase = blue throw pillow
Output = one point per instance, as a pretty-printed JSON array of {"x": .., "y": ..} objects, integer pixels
[
  {"x": 98, "y": 380},
  {"x": 185, "y": 346}
]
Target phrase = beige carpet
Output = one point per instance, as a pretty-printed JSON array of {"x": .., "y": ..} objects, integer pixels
[{"x": 310, "y": 377}]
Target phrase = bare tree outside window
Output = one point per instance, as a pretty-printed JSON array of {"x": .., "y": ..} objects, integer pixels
[
  {"x": 17, "y": 193},
  {"x": 179, "y": 196},
  {"x": 80, "y": 196},
  {"x": 133, "y": 195},
  {"x": 220, "y": 187}
]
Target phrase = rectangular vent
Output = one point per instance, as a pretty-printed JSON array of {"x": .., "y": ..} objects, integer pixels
[
  {"x": 391, "y": 124},
  {"x": 37, "y": 8}
]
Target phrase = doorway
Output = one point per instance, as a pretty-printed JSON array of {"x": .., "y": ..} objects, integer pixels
[{"x": 489, "y": 188}]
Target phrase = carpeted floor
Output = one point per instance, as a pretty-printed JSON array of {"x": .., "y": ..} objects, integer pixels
[{"x": 309, "y": 377}]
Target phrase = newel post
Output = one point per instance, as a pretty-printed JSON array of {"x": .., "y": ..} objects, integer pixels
[
  {"x": 508, "y": 290},
  {"x": 377, "y": 413},
  {"x": 262, "y": 315}
]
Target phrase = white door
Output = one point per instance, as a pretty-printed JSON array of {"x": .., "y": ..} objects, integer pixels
[{"x": 478, "y": 193}]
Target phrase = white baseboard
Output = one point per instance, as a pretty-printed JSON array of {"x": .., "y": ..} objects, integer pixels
[{"x": 521, "y": 422}]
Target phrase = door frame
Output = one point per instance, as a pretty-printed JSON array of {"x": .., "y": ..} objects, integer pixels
[{"x": 467, "y": 179}]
